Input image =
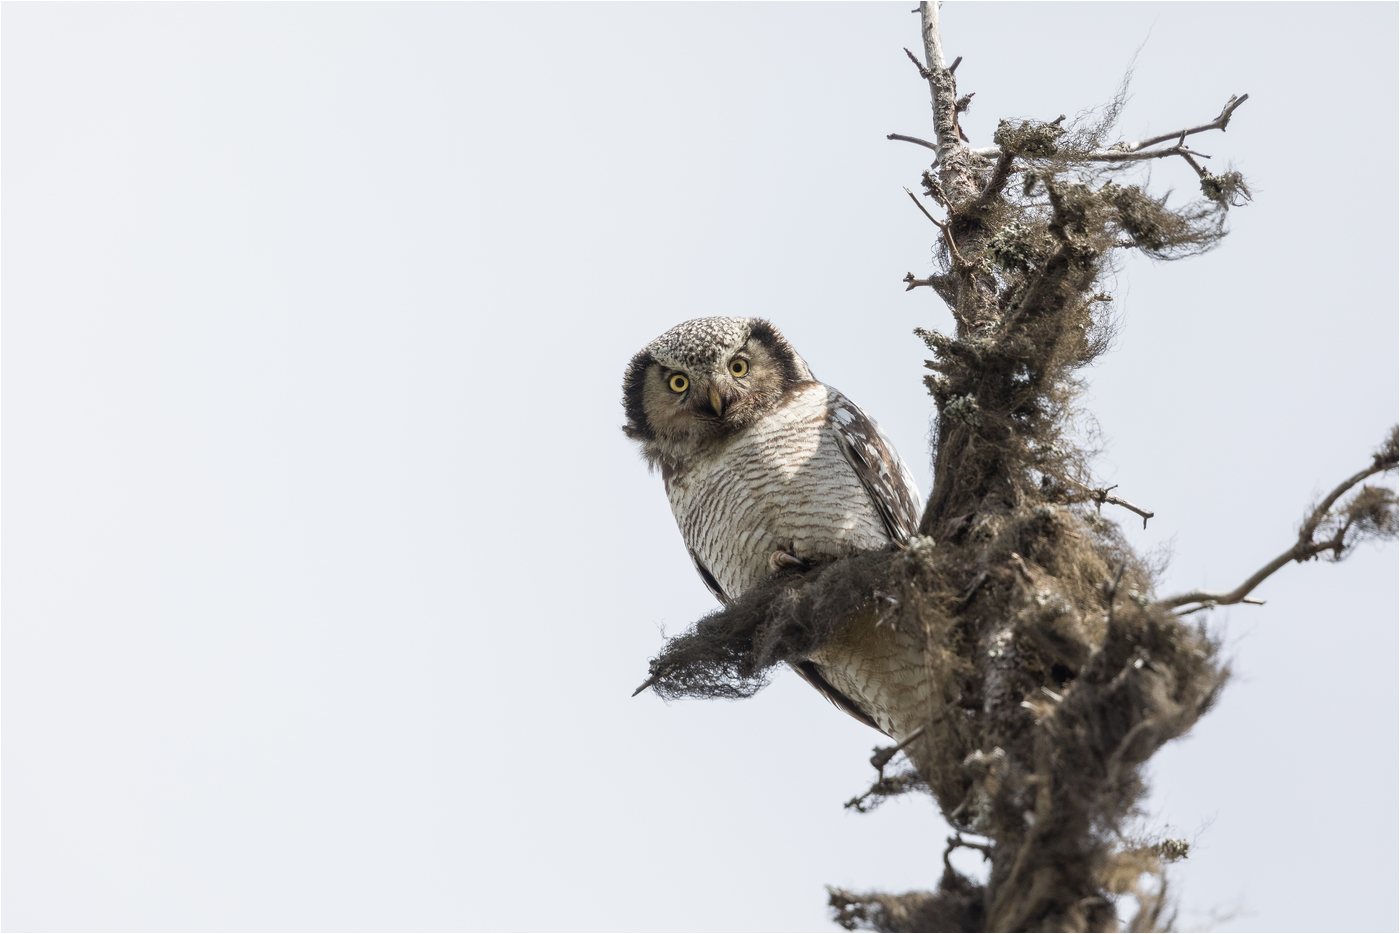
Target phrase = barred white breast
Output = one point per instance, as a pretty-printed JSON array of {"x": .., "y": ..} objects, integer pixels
[{"x": 785, "y": 484}]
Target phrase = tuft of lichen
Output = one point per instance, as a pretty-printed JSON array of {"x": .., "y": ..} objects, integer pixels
[
  {"x": 1029, "y": 138},
  {"x": 1227, "y": 189},
  {"x": 964, "y": 409},
  {"x": 1017, "y": 247}
]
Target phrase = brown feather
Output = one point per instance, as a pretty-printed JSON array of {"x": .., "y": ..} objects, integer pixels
[{"x": 810, "y": 673}]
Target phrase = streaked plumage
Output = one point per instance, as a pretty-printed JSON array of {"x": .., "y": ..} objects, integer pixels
[{"x": 760, "y": 462}]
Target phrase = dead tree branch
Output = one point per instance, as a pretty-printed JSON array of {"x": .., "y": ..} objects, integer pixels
[
  {"x": 947, "y": 234},
  {"x": 960, "y": 181},
  {"x": 924, "y": 72},
  {"x": 914, "y": 139},
  {"x": 1219, "y": 123},
  {"x": 1111, "y": 156},
  {"x": 935, "y": 282},
  {"x": 1132, "y": 152},
  {"x": 1371, "y": 513},
  {"x": 1101, "y": 495},
  {"x": 956, "y": 841},
  {"x": 889, "y": 786},
  {"x": 883, "y": 754}
]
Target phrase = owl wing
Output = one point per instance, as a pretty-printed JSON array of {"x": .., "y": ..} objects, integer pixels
[
  {"x": 708, "y": 578},
  {"x": 813, "y": 676},
  {"x": 881, "y": 470}
]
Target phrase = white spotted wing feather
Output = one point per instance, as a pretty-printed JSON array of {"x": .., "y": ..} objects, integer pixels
[{"x": 882, "y": 472}]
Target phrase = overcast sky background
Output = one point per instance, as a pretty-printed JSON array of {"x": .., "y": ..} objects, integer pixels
[{"x": 328, "y": 573}]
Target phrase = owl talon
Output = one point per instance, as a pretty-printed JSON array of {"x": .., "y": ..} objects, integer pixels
[{"x": 782, "y": 559}]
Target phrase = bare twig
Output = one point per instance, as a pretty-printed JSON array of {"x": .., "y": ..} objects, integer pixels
[
  {"x": 915, "y": 199},
  {"x": 1210, "y": 605},
  {"x": 1185, "y": 154},
  {"x": 898, "y": 784},
  {"x": 1115, "y": 154},
  {"x": 913, "y": 139},
  {"x": 883, "y": 754},
  {"x": 947, "y": 234},
  {"x": 1303, "y": 549},
  {"x": 657, "y": 675},
  {"x": 956, "y": 841},
  {"x": 1237, "y": 595},
  {"x": 886, "y": 788},
  {"x": 911, "y": 283},
  {"x": 1133, "y": 152},
  {"x": 924, "y": 72},
  {"x": 1219, "y": 123},
  {"x": 1101, "y": 496},
  {"x": 1111, "y": 156}
]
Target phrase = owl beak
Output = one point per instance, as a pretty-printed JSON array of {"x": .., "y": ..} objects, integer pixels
[{"x": 716, "y": 402}]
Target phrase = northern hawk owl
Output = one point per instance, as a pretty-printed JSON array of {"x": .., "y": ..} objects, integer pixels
[{"x": 765, "y": 467}]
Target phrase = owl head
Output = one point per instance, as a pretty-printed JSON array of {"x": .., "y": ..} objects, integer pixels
[{"x": 703, "y": 381}]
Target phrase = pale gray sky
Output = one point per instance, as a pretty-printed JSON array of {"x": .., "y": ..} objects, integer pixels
[{"x": 328, "y": 573}]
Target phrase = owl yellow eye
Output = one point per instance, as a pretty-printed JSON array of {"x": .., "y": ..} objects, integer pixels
[
  {"x": 738, "y": 366},
  {"x": 678, "y": 383}
]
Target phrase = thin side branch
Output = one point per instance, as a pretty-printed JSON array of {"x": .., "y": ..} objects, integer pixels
[
  {"x": 888, "y": 786},
  {"x": 1219, "y": 123},
  {"x": 1303, "y": 549},
  {"x": 1187, "y": 155},
  {"x": 1101, "y": 495},
  {"x": 1210, "y": 605},
  {"x": 956, "y": 841},
  {"x": 884, "y": 754},
  {"x": 1109, "y": 155},
  {"x": 947, "y": 234},
  {"x": 913, "y": 139},
  {"x": 934, "y": 282},
  {"x": 924, "y": 72},
  {"x": 1133, "y": 152}
]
